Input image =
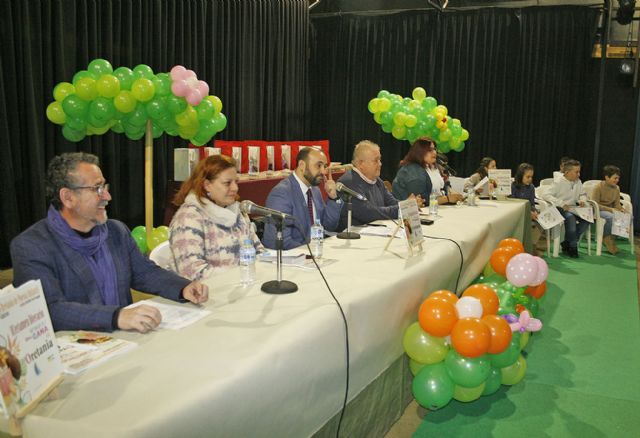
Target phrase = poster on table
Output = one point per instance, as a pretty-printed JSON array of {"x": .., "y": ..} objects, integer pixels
[
  {"x": 285, "y": 151},
  {"x": 410, "y": 217},
  {"x": 271, "y": 163},
  {"x": 502, "y": 180},
  {"x": 254, "y": 159},
  {"x": 236, "y": 154},
  {"x": 29, "y": 358}
]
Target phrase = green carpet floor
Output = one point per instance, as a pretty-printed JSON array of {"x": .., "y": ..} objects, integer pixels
[{"x": 583, "y": 375}]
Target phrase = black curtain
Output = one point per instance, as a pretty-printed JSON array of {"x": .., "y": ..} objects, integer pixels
[
  {"x": 520, "y": 80},
  {"x": 252, "y": 53}
]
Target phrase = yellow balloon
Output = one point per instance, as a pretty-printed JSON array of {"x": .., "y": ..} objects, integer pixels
[
  {"x": 143, "y": 89},
  {"x": 86, "y": 89},
  {"x": 62, "y": 90},
  {"x": 410, "y": 121},
  {"x": 464, "y": 394},
  {"x": 419, "y": 93},
  {"x": 514, "y": 373},
  {"x": 399, "y": 118},
  {"x": 384, "y": 104},
  {"x": 442, "y": 109},
  {"x": 524, "y": 339},
  {"x": 465, "y": 135},
  {"x": 125, "y": 102},
  {"x": 56, "y": 114},
  {"x": 108, "y": 86},
  {"x": 217, "y": 103}
]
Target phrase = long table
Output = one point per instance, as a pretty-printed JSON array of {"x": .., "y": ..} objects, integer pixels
[{"x": 274, "y": 366}]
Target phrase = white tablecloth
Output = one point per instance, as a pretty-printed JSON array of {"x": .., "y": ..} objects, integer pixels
[{"x": 274, "y": 366}]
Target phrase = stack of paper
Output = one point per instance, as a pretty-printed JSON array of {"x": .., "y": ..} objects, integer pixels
[{"x": 83, "y": 350}]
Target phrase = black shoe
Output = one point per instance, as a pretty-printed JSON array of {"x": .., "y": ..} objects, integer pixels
[
  {"x": 573, "y": 252},
  {"x": 565, "y": 246}
]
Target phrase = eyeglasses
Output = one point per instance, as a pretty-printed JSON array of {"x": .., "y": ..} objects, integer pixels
[{"x": 99, "y": 189}]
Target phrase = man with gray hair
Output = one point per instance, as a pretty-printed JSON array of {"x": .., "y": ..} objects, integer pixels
[
  {"x": 86, "y": 262},
  {"x": 364, "y": 178}
]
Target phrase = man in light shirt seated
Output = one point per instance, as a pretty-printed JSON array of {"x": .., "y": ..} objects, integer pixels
[
  {"x": 364, "y": 178},
  {"x": 86, "y": 262},
  {"x": 565, "y": 193},
  {"x": 299, "y": 196}
]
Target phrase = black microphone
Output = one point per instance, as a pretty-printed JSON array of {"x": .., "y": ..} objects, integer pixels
[
  {"x": 344, "y": 189},
  {"x": 446, "y": 166},
  {"x": 248, "y": 207}
]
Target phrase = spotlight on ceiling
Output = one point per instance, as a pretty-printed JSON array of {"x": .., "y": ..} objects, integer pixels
[
  {"x": 439, "y": 4},
  {"x": 626, "y": 8}
]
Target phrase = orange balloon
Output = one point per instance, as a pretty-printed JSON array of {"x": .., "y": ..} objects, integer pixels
[
  {"x": 500, "y": 333},
  {"x": 437, "y": 317},
  {"x": 537, "y": 291},
  {"x": 512, "y": 242},
  {"x": 486, "y": 295},
  {"x": 471, "y": 337},
  {"x": 501, "y": 257},
  {"x": 444, "y": 295}
]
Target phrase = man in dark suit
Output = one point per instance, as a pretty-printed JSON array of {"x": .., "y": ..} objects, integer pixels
[
  {"x": 86, "y": 262},
  {"x": 299, "y": 196},
  {"x": 365, "y": 178}
]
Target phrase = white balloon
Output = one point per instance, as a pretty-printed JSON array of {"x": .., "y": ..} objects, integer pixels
[{"x": 469, "y": 307}]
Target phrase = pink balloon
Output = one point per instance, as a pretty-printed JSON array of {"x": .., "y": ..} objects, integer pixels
[
  {"x": 522, "y": 269},
  {"x": 177, "y": 71},
  {"x": 203, "y": 88},
  {"x": 191, "y": 73},
  {"x": 543, "y": 272},
  {"x": 180, "y": 88},
  {"x": 194, "y": 97}
]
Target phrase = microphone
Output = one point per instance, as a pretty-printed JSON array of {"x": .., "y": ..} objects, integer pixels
[
  {"x": 248, "y": 207},
  {"x": 446, "y": 166},
  {"x": 344, "y": 189}
]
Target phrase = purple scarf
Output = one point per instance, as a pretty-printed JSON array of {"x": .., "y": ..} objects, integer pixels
[{"x": 94, "y": 250}]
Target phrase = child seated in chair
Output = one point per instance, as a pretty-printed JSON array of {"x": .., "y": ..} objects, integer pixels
[
  {"x": 522, "y": 188},
  {"x": 607, "y": 195},
  {"x": 565, "y": 193}
]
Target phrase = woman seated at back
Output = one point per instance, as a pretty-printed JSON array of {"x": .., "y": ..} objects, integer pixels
[
  {"x": 420, "y": 175},
  {"x": 482, "y": 172},
  {"x": 208, "y": 229},
  {"x": 607, "y": 195}
]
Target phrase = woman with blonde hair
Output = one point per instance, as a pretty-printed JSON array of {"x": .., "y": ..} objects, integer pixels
[{"x": 208, "y": 229}]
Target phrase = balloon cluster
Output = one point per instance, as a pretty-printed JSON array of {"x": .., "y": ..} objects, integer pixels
[
  {"x": 123, "y": 100},
  {"x": 463, "y": 348},
  {"x": 409, "y": 119},
  {"x": 158, "y": 235}
]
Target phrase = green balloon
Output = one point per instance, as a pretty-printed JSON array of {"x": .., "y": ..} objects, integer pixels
[
  {"x": 117, "y": 127},
  {"x": 137, "y": 117},
  {"x": 515, "y": 372},
  {"x": 432, "y": 387},
  {"x": 423, "y": 347},
  {"x": 134, "y": 134},
  {"x": 493, "y": 382},
  {"x": 77, "y": 123},
  {"x": 429, "y": 103},
  {"x": 464, "y": 394},
  {"x": 96, "y": 123},
  {"x": 220, "y": 122},
  {"x": 140, "y": 237},
  {"x": 125, "y": 76},
  {"x": 156, "y": 108},
  {"x": 205, "y": 109},
  {"x": 72, "y": 134},
  {"x": 533, "y": 307},
  {"x": 73, "y": 106},
  {"x": 162, "y": 82},
  {"x": 176, "y": 105},
  {"x": 466, "y": 371},
  {"x": 156, "y": 131},
  {"x": 509, "y": 355},
  {"x": 143, "y": 71},
  {"x": 102, "y": 108},
  {"x": 99, "y": 67}
]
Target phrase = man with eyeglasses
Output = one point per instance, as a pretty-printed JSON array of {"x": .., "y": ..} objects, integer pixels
[
  {"x": 364, "y": 178},
  {"x": 86, "y": 262}
]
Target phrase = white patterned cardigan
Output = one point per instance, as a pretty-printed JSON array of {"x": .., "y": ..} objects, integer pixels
[{"x": 205, "y": 238}]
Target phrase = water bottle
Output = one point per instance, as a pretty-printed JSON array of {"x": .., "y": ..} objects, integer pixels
[
  {"x": 247, "y": 263},
  {"x": 317, "y": 239},
  {"x": 433, "y": 205}
]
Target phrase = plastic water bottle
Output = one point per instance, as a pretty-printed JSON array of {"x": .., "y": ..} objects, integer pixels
[
  {"x": 317, "y": 239},
  {"x": 247, "y": 262},
  {"x": 433, "y": 205}
]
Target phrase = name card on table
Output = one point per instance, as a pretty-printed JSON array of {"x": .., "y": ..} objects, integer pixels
[
  {"x": 502, "y": 180},
  {"x": 410, "y": 220},
  {"x": 30, "y": 364},
  {"x": 254, "y": 159}
]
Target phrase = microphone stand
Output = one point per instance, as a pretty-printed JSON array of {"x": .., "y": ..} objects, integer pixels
[
  {"x": 279, "y": 286},
  {"x": 348, "y": 234}
]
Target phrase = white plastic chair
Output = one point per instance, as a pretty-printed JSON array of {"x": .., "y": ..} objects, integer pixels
[
  {"x": 546, "y": 182},
  {"x": 555, "y": 234},
  {"x": 625, "y": 200},
  {"x": 161, "y": 255}
]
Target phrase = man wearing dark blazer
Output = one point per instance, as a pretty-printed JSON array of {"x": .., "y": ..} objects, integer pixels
[
  {"x": 299, "y": 196},
  {"x": 86, "y": 262}
]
